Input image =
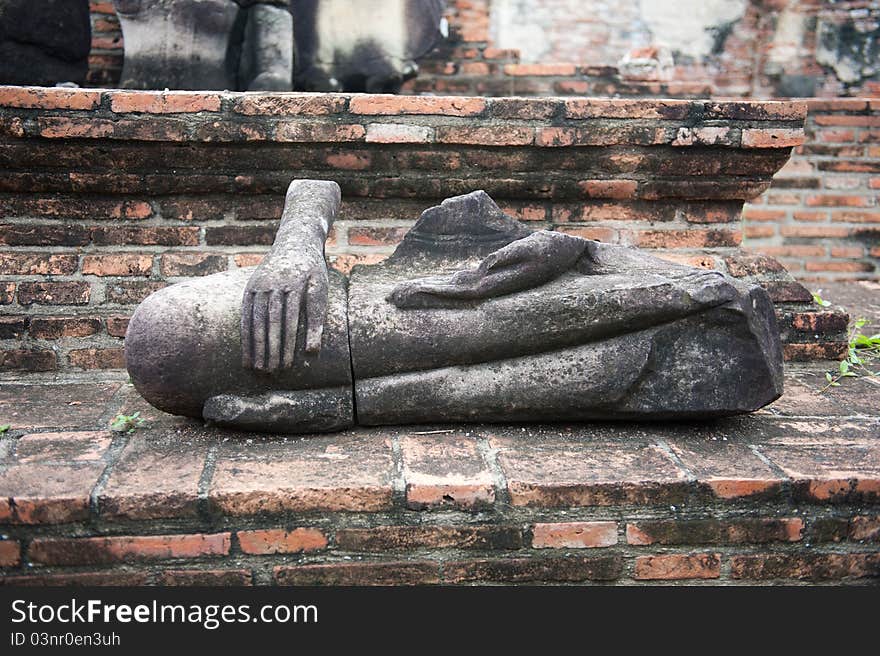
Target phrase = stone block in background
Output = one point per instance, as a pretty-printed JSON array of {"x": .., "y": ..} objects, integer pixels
[{"x": 44, "y": 42}]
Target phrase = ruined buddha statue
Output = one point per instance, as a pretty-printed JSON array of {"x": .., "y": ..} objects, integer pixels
[{"x": 473, "y": 318}]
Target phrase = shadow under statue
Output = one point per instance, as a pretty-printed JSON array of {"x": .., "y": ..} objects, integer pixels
[{"x": 473, "y": 318}]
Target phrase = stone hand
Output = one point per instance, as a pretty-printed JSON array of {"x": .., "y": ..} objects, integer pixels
[
  {"x": 522, "y": 264},
  {"x": 286, "y": 294}
]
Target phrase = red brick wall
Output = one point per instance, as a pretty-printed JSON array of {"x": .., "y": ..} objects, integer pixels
[{"x": 821, "y": 217}]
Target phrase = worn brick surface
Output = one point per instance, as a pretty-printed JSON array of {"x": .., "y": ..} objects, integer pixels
[
  {"x": 714, "y": 531},
  {"x": 54, "y": 405},
  {"x": 678, "y": 566},
  {"x": 381, "y": 573},
  {"x": 34, "y": 493},
  {"x": 303, "y": 475},
  {"x": 205, "y": 577},
  {"x": 73, "y": 446},
  {"x": 99, "y": 550},
  {"x": 816, "y": 567},
  {"x": 730, "y": 470},
  {"x": 445, "y": 470},
  {"x": 273, "y": 541},
  {"x": 831, "y": 473},
  {"x": 525, "y": 570},
  {"x": 155, "y": 478},
  {"x": 114, "y": 578},
  {"x": 583, "y": 472},
  {"x": 574, "y": 535},
  {"x": 384, "y": 538}
]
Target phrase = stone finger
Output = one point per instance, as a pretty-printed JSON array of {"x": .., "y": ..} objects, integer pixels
[
  {"x": 261, "y": 317},
  {"x": 247, "y": 330},
  {"x": 274, "y": 345},
  {"x": 291, "y": 326}
]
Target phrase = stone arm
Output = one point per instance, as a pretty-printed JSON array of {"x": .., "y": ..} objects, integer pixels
[
  {"x": 287, "y": 294},
  {"x": 522, "y": 264}
]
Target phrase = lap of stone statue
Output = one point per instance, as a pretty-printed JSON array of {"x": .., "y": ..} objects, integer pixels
[
  {"x": 474, "y": 318},
  {"x": 207, "y": 44}
]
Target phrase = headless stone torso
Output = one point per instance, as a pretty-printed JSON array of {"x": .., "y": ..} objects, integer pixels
[{"x": 472, "y": 319}]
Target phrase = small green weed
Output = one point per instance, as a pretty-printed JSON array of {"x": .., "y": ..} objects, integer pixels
[{"x": 127, "y": 423}]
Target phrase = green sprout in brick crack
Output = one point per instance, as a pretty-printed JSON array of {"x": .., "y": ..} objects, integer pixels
[
  {"x": 818, "y": 300},
  {"x": 4, "y": 428},
  {"x": 862, "y": 354},
  {"x": 126, "y": 423}
]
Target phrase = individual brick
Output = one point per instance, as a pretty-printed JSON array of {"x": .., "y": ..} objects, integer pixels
[
  {"x": 559, "y": 472},
  {"x": 97, "y": 358},
  {"x": 730, "y": 470},
  {"x": 174, "y": 102},
  {"x": 669, "y": 567},
  {"x": 61, "y": 327},
  {"x": 864, "y": 528},
  {"x": 524, "y": 570},
  {"x": 38, "y": 264},
  {"x": 27, "y": 360},
  {"x": 304, "y": 476},
  {"x": 43, "y": 235},
  {"x": 290, "y": 104},
  {"x": 154, "y": 479},
  {"x": 714, "y": 531},
  {"x": 535, "y": 70},
  {"x": 49, "y": 98},
  {"x": 445, "y": 470},
  {"x": 376, "y": 235},
  {"x": 274, "y": 541},
  {"x": 398, "y": 133},
  {"x": 33, "y": 493},
  {"x": 118, "y": 264},
  {"x": 496, "y": 135},
  {"x": 10, "y": 553},
  {"x": 190, "y": 263},
  {"x": 318, "y": 133},
  {"x": 63, "y": 447},
  {"x": 830, "y": 473},
  {"x": 387, "y": 538},
  {"x": 114, "y": 578},
  {"x": 574, "y": 535},
  {"x": 131, "y": 292},
  {"x": 363, "y": 573},
  {"x": 814, "y": 567},
  {"x": 617, "y": 189},
  {"x": 120, "y": 549},
  {"x": 13, "y": 327},
  {"x": 146, "y": 236},
  {"x": 392, "y": 105},
  {"x": 205, "y": 577},
  {"x": 771, "y": 137},
  {"x": 581, "y": 108},
  {"x": 54, "y": 293}
]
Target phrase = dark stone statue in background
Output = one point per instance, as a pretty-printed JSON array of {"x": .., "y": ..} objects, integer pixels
[
  {"x": 473, "y": 318},
  {"x": 44, "y": 42},
  {"x": 248, "y": 45},
  {"x": 242, "y": 45},
  {"x": 370, "y": 45}
]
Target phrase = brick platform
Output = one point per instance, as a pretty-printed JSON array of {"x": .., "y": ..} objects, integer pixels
[{"x": 790, "y": 494}]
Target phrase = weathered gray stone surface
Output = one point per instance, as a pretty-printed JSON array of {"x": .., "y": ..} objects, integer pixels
[
  {"x": 207, "y": 44},
  {"x": 44, "y": 42},
  {"x": 473, "y": 318},
  {"x": 362, "y": 46}
]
